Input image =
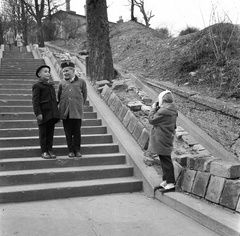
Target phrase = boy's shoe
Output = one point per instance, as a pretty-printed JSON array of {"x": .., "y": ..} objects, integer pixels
[
  {"x": 71, "y": 154},
  {"x": 52, "y": 155},
  {"x": 168, "y": 188},
  {"x": 45, "y": 155},
  {"x": 78, "y": 154}
]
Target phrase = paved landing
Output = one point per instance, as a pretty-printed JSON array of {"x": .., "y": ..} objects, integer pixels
[{"x": 108, "y": 215}]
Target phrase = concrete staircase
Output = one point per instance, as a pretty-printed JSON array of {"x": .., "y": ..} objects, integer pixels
[{"x": 24, "y": 175}]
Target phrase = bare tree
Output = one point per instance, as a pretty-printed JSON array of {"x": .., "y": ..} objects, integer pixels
[
  {"x": 147, "y": 16},
  {"x": 100, "y": 54}
]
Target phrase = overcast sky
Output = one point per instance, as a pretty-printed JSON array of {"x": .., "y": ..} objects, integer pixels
[{"x": 173, "y": 14}]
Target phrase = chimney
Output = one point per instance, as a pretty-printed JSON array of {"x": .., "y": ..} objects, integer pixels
[{"x": 68, "y": 5}]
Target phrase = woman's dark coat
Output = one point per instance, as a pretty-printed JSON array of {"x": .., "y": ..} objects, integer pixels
[
  {"x": 163, "y": 130},
  {"x": 44, "y": 101}
]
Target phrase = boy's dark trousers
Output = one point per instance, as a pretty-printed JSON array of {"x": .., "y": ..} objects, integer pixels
[
  {"x": 167, "y": 168},
  {"x": 72, "y": 129},
  {"x": 46, "y": 132}
]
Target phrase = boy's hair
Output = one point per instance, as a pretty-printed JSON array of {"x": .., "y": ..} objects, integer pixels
[{"x": 168, "y": 98}]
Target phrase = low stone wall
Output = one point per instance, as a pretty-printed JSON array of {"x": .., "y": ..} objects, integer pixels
[{"x": 200, "y": 174}]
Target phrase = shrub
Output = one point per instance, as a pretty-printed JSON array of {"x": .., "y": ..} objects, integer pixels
[{"x": 188, "y": 30}]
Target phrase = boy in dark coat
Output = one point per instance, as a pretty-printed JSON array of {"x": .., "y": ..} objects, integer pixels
[
  {"x": 46, "y": 110},
  {"x": 163, "y": 116}
]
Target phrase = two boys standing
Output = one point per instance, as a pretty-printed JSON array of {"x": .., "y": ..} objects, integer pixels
[{"x": 72, "y": 94}]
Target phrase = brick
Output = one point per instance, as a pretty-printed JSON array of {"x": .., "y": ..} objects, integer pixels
[
  {"x": 143, "y": 139},
  {"x": 127, "y": 118},
  {"x": 123, "y": 112},
  {"x": 133, "y": 122},
  {"x": 107, "y": 94},
  {"x": 225, "y": 169},
  {"x": 111, "y": 99},
  {"x": 138, "y": 130},
  {"x": 177, "y": 170},
  {"x": 215, "y": 189},
  {"x": 200, "y": 183},
  {"x": 203, "y": 163},
  {"x": 186, "y": 180},
  {"x": 230, "y": 194},
  {"x": 189, "y": 140}
]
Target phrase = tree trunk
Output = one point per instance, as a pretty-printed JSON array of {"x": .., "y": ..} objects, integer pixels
[
  {"x": 24, "y": 23},
  {"x": 100, "y": 54},
  {"x": 40, "y": 34},
  {"x": 132, "y": 11}
]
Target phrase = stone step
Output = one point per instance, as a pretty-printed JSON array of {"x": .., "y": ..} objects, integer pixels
[
  {"x": 59, "y": 150},
  {"x": 16, "y": 91},
  {"x": 54, "y": 175},
  {"x": 6, "y": 79},
  {"x": 61, "y": 161},
  {"x": 17, "y": 103},
  {"x": 69, "y": 189},
  {"x": 15, "y": 86},
  {"x": 27, "y": 132},
  {"x": 32, "y": 123},
  {"x": 15, "y": 96},
  {"x": 58, "y": 140},
  {"x": 30, "y": 115},
  {"x": 30, "y": 108}
]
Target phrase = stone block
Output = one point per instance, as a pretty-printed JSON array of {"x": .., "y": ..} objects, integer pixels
[
  {"x": 203, "y": 163},
  {"x": 179, "y": 129},
  {"x": 186, "y": 180},
  {"x": 127, "y": 118},
  {"x": 198, "y": 147},
  {"x": 118, "y": 106},
  {"x": 111, "y": 99},
  {"x": 138, "y": 130},
  {"x": 122, "y": 113},
  {"x": 105, "y": 88},
  {"x": 179, "y": 134},
  {"x": 230, "y": 194},
  {"x": 102, "y": 83},
  {"x": 191, "y": 161},
  {"x": 143, "y": 139},
  {"x": 238, "y": 206},
  {"x": 147, "y": 100},
  {"x": 200, "y": 183},
  {"x": 107, "y": 94},
  {"x": 133, "y": 122},
  {"x": 189, "y": 140},
  {"x": 135, "y": 105},
  {"x": 115, "y": 102},
  {"x": 182, "y": 160},
  {"x": 225, "y": 169},
  {"x": 215, "y": 189},
  {"x": 177, "y": 170},
  {"x": 119, "y": 84},
  {"x": 146, "y": 109}
]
